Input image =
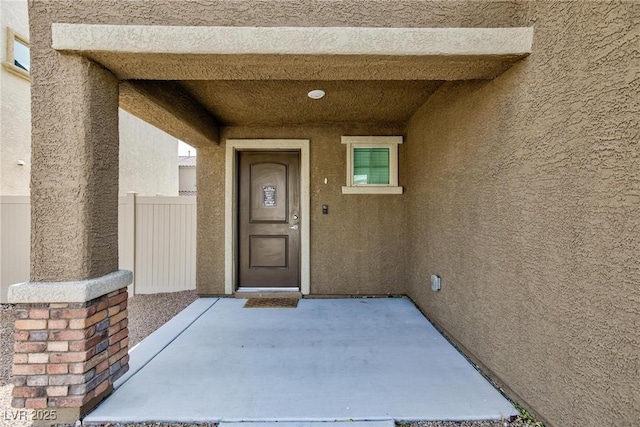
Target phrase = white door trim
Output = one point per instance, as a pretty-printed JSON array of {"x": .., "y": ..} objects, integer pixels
[{"x": 230, "y": 203}]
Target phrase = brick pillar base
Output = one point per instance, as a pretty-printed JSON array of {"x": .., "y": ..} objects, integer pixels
[{"x": 68, "y": 355}]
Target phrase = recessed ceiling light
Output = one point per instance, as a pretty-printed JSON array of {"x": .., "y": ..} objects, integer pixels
[{"x": 316, "y": 94}]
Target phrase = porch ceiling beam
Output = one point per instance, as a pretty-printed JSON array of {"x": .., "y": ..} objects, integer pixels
[
  {"x": 169, "y": 107},
  {"x": 292, "y": 40},
  {"x": 137, "y": 51}
]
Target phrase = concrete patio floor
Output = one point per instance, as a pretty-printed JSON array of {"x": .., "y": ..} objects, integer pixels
[{"x": 326, "y": 360}]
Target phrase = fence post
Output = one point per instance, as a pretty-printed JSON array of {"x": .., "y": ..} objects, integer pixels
[{"x": 129, "y": 247}]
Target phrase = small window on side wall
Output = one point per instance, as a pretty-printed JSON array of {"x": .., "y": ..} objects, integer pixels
[
  {"x": 18, "y": 55},
  {"x": 372, "y": 164}
]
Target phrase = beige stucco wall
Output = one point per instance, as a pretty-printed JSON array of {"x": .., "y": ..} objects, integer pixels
[
  {"x": 524, "y": 195},
  {"x": 74, "y": 172},
  {"x": 356, "y": 249},
  {"x": 74, "y": 153},
  {"x": 15, "y": 105},
  {"x": 522, "y": 192},
  {"x": 369, "y": 13},
  {"x": 148, "y": 158}
]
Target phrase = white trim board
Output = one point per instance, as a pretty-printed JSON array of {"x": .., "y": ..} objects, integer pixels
[{"x": 233, "y": 146}]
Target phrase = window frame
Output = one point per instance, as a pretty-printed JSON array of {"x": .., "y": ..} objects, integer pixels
[
  {"x": 9, "y": 64},
  {"x": 390, "y": 142}
]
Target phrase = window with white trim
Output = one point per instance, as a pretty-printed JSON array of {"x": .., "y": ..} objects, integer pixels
[
  {"x": 18, "y": 55},
  {"x": 372, "y": 164}
]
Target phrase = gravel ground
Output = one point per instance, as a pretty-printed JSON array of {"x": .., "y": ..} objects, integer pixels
[{"x": 146, "y": 314}]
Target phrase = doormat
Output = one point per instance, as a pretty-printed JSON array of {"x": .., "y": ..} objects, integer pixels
[{"x": 271, "y": 303}]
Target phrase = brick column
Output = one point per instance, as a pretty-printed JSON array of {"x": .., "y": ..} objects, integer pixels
[{"x": 68, "y": 355}]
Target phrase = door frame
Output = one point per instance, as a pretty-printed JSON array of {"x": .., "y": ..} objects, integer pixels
[{"x": 233, "y": 146}]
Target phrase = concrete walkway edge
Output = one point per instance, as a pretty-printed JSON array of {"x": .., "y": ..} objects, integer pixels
[{"x": 150, "y": 347}]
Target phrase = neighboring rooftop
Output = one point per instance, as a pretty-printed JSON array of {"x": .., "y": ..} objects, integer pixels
[{"x": 187, "y": 161}]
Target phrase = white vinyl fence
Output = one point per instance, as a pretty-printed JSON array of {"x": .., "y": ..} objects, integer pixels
[
  {"x": 15, "y": 235},
  {"x": 156, "y": 240}
]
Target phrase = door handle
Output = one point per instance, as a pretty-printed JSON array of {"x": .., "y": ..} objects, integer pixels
[{"x": 294, "y": 227}]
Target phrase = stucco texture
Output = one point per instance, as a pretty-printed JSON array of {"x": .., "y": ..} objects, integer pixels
[
  {"x": 357, "y": 249},
  {"x": 278, "y": 102},
  {"x": 523, "y": 195},
  {"x": 74, "y": 173},
  {"x": 148, "y": 163},
  {"x": 15, "y": 114},
  {"x": 285, "y": 13},
  {"x": 148, "y": 158},
  {"x": 522, "y": 192}
]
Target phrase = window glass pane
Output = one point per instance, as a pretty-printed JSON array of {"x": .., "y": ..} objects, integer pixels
[
  {"x": 370, "y": 166},
  {"x": 21, "y": 55}
]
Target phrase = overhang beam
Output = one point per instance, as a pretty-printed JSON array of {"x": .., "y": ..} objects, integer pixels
[
  {"x": 357, "y": 53},
  {"x": 168, "y": 106},
  {"x": 292, "y": 40}
]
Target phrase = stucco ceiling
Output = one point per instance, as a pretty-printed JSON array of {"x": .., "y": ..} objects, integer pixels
[
  {"x": 235, "y": 102},
  {"x": 188, "y": 80}
]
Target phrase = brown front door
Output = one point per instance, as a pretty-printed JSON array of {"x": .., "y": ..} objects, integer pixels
[{"x": 269, "y": 220}]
